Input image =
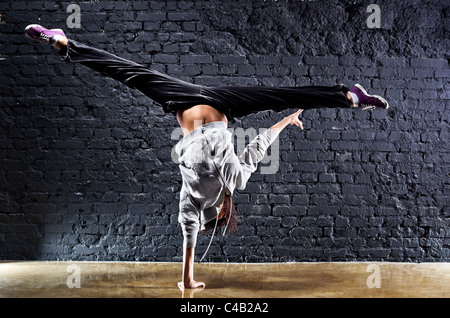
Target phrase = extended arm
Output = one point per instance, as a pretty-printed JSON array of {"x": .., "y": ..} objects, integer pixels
[
  {"x": 189, "y": 220},
  {"x": 188, "y": 270},
  {"x": 289, "y": 120},
  {"x": 256, "y": 149}
]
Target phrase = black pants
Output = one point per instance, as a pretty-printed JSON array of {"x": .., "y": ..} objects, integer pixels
[{"x": 174, "y": 94}]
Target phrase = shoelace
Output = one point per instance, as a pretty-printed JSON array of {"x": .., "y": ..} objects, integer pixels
[
  {"x": 367, "y": 107},
  {"x": 45, "y": 36}
]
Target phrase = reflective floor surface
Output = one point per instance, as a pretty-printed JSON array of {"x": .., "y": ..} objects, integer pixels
[{"x": 30, "y": 279}]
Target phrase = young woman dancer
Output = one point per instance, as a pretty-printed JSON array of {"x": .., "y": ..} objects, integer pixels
[{"x": 210, "y": 169}]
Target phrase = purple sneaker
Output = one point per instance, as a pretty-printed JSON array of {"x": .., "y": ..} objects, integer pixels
[
  {"x": 43, "y": 35},
  {"x": 366, "y": 101}
]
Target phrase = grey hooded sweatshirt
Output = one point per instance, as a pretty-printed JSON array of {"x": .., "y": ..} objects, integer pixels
[{"x": 210, "y": 169}]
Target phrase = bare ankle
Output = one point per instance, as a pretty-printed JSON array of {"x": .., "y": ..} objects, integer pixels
[
  {"x": 61, "y": 43},
  {"x": 350, "y": 99}
]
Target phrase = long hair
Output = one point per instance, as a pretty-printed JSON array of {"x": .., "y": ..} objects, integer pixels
[{"x": 227, "y": 215}]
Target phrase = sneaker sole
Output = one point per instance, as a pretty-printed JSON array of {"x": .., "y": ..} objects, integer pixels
[{"x": 386, "y": 104}]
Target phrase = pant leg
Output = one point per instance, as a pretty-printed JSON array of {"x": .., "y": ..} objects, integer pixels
[
  {"x": 174, "y": 94},
  {"x": 244, "y": 100},
  {"x": 171, "y": 93}
]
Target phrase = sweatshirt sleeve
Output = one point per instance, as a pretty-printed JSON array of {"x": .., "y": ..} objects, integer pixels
[
  {"x": 252, "y": 155},
  {"x": 189, "y": 219}
]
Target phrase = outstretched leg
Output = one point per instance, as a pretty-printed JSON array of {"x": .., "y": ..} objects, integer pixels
[
  {"x": 174, "y": 94},
  {"x": 245, "y": 100},
  {"x": 171, "y": 93}
]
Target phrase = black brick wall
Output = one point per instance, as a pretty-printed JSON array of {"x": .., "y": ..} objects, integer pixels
[{"x": 86, "y": 170}]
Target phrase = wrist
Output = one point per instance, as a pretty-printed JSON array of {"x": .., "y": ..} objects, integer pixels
[{"x": 188, "y": 284}]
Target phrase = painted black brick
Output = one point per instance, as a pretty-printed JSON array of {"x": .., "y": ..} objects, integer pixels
[{"x": 86, "y": 171}]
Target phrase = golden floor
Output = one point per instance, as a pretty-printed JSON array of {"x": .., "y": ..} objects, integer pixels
[{"x": 280, "y": 280}]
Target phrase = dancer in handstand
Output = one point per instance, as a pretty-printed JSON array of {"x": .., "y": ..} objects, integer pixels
[{"x": 210, "y": 169}]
